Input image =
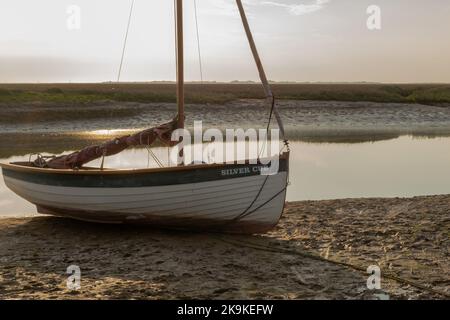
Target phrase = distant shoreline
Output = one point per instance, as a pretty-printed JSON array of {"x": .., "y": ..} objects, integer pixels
[{"x": 220, "y": 93}]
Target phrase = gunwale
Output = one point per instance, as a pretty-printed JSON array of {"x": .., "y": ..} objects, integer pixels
[{"x": 17, "y": 166}]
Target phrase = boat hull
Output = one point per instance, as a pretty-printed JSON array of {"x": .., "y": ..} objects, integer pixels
[{"x": 231, "y": 198}]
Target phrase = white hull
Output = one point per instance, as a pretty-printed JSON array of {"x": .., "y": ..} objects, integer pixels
[{"x": 204, "y": 204}]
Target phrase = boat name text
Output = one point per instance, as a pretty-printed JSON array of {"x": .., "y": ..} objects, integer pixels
[{"x": 240, "y": 171}]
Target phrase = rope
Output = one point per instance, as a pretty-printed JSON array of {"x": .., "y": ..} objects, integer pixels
[
  {"x": 262, "y": 205},
  {"x": 125, "y": 41},
  {"x": 151, "y": 153},
  {"x": 268, "y": 127},
  {"x": 41, "y": 160},
  {"x": 198, "y": 41},
  {"x": 390, "y": 276},
  {"x": 175, "y": 32},
  {"x": 246, "y": 212}
]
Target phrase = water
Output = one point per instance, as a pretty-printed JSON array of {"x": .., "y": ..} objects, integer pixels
[{"x": 402, "y": 167}]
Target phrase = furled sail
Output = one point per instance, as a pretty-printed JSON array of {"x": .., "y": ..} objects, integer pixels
[{"x": 112, "y": 147}]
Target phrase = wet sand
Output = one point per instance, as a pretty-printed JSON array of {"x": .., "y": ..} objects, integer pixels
[
  {"x": 406, "y": 237},
  {"x": 322, "y": 118}
]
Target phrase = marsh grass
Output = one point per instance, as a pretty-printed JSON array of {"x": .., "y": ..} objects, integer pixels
[{"x": 220, "y": 93}]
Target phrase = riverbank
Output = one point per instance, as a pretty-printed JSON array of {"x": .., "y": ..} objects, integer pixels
[
  {"x": 219, "y": 93},
  {"x": 406, "y": 237}
]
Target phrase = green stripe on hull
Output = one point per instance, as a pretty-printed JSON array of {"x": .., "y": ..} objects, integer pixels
[{"x": 143, "y": 179}]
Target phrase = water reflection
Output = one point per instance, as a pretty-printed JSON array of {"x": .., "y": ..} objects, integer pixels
[{"x": 402, "y": 167}]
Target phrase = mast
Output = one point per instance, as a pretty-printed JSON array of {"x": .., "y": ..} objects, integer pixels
[
  {"x": 262, "y": 73},
  {"x": 180, "y": 61}
]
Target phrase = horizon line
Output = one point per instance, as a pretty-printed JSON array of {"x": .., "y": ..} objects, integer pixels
[{"x": 228, "y": 82}]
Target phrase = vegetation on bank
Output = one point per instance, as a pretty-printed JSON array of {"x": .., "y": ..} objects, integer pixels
[{"x": 219, "y": 93}]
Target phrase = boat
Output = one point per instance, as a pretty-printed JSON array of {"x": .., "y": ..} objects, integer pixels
[{"x": 236, "y": 197}]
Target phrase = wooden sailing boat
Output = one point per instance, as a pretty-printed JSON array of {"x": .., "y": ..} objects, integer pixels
[{"x": 215, "y": 197}]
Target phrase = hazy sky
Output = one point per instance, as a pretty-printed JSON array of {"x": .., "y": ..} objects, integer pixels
[{"x": 299, "y": 40}]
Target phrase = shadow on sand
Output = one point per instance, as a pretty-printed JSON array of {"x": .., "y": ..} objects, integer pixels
[{"x": 129, "y": 262}]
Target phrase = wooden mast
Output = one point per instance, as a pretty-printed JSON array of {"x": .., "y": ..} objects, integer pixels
[
  {"x": 180, "y": 61},
  {"x": 262, "y": 73}
]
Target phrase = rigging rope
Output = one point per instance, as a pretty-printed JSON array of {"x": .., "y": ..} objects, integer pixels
[
  {"x": 198, "y": 42},
  {"x": 125, "y": 41},
  {"x": 175, "y": 31},
  {"x": 155, "y": 158},
  {"x": 267, "y": 129}
]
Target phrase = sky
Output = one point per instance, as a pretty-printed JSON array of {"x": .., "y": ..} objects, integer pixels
[{"x": 298, "y": 40}]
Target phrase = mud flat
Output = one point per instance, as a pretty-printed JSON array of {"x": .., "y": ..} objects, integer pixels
[
  {"x": 30, "y": 127},
  {"x": 407, "y": 237}
]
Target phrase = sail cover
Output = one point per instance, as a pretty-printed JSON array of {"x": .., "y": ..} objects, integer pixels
[{"x": 112, "y": 147}]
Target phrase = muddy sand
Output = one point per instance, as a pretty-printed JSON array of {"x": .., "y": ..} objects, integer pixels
[
  {"x": 301, "y": 118},
  {"x": 31, "y": 128},
  {"x": 408, "y": 238}
]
